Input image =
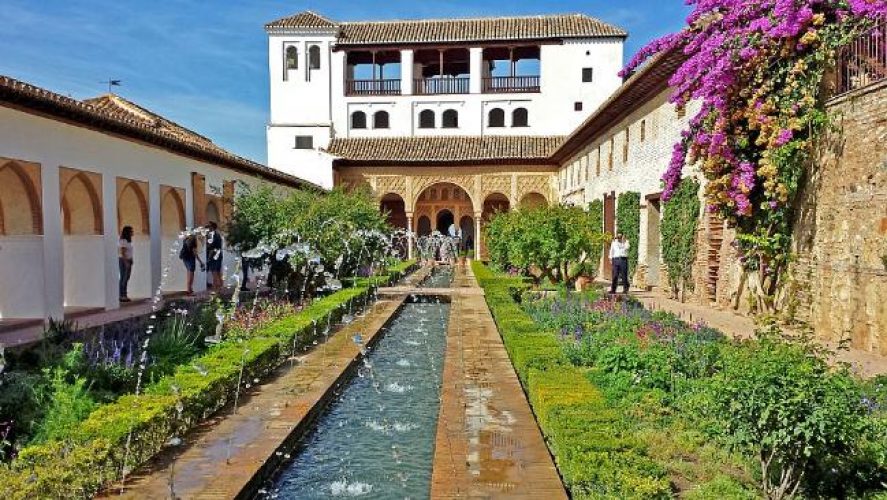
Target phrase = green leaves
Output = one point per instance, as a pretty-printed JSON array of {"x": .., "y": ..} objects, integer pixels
[
  {"x": 680, "y": 216},
  {"x": 628, "y": 222},
  {"x": 557, "y": 241}
]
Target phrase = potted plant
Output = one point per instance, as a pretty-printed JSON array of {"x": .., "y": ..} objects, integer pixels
[
  {"x": 586, "y": 276},
  {"x": 462, "y": 255}
]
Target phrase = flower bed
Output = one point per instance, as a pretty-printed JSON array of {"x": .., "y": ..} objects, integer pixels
[
  {"x": 638, "y": 404},
  {"x": 123, "y": 434}
]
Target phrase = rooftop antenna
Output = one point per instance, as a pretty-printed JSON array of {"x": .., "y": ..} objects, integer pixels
[{"x": 112, "y": 83}]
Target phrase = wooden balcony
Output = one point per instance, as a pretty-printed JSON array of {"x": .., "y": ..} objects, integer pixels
[
  {"x": 432, "y": 86},
  {"x": 863, "y": 61},
  {"x": 372, "y": 87},
  {"x": 511, "y": 84}
]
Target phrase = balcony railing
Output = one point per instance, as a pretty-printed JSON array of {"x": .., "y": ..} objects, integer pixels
[
  {"x": 863, "y": 61},
  {"x": 428, "y": 86},
  {"x": 509, "y": 84},
  {"x": 372, "y": 87}
]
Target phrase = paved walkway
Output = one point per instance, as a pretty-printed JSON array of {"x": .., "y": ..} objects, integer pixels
[
  {"x": 488, "y": 444},
  {"x": 234, "y": 452},
  {"x": 864, "y": 363}
]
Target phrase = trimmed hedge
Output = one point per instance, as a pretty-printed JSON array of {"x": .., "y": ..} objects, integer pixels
[
  {"x": 596, "y": 454},
  {"x": 95, "y": 452}
]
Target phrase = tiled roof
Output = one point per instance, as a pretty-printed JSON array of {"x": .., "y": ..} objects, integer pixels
[
  {"x": 115, "y": 115},
  {"x": 458, "y": 30},
  {"x": 465, "y": 149},
  {"x": 306, "y": 19}
]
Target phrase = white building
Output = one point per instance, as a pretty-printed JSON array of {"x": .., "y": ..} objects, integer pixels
[
  {"x": 525, "y": 76},
  {"x": 73, "y": 173}
]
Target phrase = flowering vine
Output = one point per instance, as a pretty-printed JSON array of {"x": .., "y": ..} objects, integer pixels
[{"x": 755, "y": 67}]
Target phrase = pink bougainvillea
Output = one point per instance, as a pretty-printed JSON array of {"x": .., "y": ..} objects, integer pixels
[{"x": 755, "y": 69}]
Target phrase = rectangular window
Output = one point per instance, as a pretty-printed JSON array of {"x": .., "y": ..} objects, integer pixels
[
  {"x": 643, "y": 130},
  {"x": 610, "y": 159},
  {"x": 577, "y": 106},
  {"x": 681, "y": 111},
  {"x": 304, "y": 142},
  {"x": 587, "y": 75},
  {"x": 597, "y": 172},
  {"x": 625, "y": 147}
]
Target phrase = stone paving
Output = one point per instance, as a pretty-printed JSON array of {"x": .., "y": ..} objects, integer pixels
[{"x": 488, "y": 444}]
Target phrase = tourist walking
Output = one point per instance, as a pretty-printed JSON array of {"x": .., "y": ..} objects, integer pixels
[
  {"x": 214, "y": 254},
  {"x": 619, "y": 258},
  {"x": 190, "y": 256},
  {"x": 124, "y": 261}
]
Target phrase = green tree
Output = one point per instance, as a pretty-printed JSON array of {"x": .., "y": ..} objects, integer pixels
[{"x": 552, "y": 242}]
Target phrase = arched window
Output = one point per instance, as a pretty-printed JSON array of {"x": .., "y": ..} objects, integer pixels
[
  {"x": 450, "y": 119},
  {"x": 496, "y": 118},
  {"x": 380, "y": 119},
  {"x": 292, "y": 57},
  {"x": 358, "y": 119},
  {"x": 314, "y": 57},
  {"x": 426, "y": 119},
  {"x": 519, "y": 118}
]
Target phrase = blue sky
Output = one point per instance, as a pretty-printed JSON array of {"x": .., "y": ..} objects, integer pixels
[{"x": 203, "y": 63}]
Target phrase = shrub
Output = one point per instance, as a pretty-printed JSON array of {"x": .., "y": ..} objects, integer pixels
[
  {"x": 89, "y": 454},
  {"x": 628, "y": 222},
  {"x": 780, "y": 402}
]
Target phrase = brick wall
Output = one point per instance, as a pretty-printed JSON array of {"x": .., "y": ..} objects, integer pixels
[{"x": 837, "y": 282}]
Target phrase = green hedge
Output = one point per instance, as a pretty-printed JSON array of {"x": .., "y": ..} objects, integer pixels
[
  {"x": 95, "y": 452},
  {"x": 595, "y": 453}
]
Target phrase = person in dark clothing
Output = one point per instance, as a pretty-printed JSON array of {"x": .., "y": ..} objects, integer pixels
[
  {"x": 214, "y": 254},
  {"x": 619, "y": 258},
  {"x": 190, "y": 256},
  {"x": 124, "y": 261}
]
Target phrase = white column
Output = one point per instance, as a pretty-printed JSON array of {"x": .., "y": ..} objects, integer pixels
[
  {"x": 476, "y": 70},
  {"x": 477, "y": 218},
  {"x": 410, "y": 236},
  {"x": 406, "y": 71},
  {"x": 109, "y": 226},
  {"x": 156, "y": 230},
  {"x": 53, "y": 242}
]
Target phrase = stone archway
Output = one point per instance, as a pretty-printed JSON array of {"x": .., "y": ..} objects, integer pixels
[
  {"x": 394, "y": 206},
  {"x": 19, "y": 201},
  {"x": 444, "y": 219},
  {"x": 172, "y": 212},
  {"x": 83, "y": 251},
  {"x": 132, "y": 206},
  {"x": 81, "y": 204},
  {"x": 533, "y": 200},
  {"x": 423, "y": 227}
]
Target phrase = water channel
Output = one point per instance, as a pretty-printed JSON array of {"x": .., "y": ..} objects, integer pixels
[{"x": 376, "y": 438}]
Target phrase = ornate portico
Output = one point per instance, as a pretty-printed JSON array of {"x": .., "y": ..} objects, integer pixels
[{"x": 429, "y": 183}]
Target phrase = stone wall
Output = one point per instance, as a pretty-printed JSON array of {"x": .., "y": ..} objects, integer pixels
[{"x": 837, "y": 283}]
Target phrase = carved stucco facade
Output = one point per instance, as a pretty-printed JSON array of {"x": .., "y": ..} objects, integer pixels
[{"x": 480, "y": 182}]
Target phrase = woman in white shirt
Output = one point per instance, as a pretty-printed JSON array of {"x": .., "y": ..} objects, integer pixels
[{"x": 124, "y": 260}]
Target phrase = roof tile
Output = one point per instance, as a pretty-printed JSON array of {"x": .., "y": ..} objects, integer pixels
[
  {"x": 446, "y": 149},
  {"x": 456, "y": 30}
]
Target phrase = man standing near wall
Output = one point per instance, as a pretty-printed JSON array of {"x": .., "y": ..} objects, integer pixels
[{"x": 619, "y": 258}]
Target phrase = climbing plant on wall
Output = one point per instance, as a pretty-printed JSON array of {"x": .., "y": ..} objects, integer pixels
[
  {"x": 628, "y": 222},
  {"x": 756, "y": 69},
  {"x": 680, "y": 216},
  {"x": 596, "y": 217}
]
